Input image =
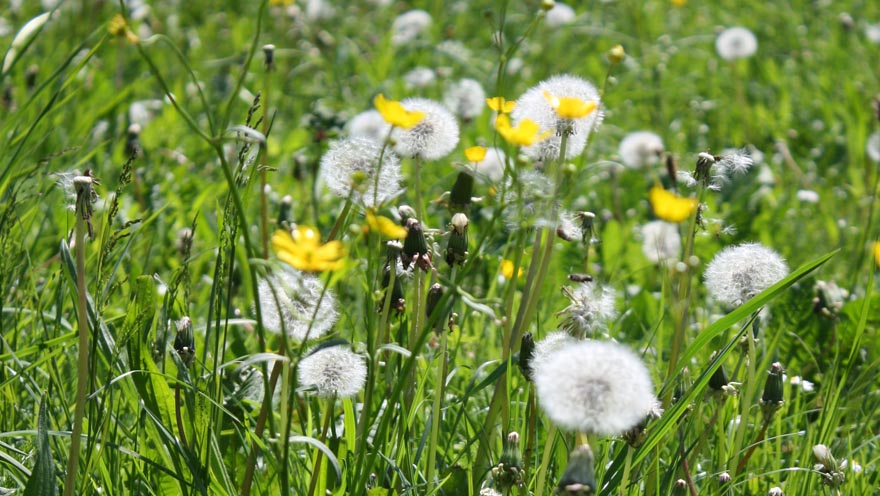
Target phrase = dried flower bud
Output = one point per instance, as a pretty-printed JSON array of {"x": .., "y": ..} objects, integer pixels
[
  {"x": 579, "y": 477},
  {"x": 462, "y": 192},
  {"x": 415, "y": 247},
  {"x": 269, "y": 52},
  {"x": 184, "y": 342},
  {"x": 435, "y": 294},
  {"x": 457, "y": 247},
  {"x": 284, "y": 209},
  {"x": 772, "y": 400}
]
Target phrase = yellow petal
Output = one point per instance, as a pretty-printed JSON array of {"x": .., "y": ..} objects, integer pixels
[
  {"x": 524, "y": 134},
  {"x": 877, "y": 252},
  {"x": 500, "y": 105},
  {"x": 569, "y": 107},
  {"x": 475, "y": 153},
  {"x": 670, "y": 207},
  {"x": 395, "y": 113},
  {"x": 507, "y": 269},
  {"x": 386, "y": 226}
]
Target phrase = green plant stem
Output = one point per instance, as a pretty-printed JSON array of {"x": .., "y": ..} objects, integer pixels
[
  {"x": 340, "y": 221},
  {"x": 264, "y": 207},
  {"x": 627, "y": 467},
  {"x": 746, "y": 398},
  {"x": 436, "y": 415},
  {"x": 316, "y": 471},
  {"x": 760, "y": 437},
  {"x": 545, "y": 459}
]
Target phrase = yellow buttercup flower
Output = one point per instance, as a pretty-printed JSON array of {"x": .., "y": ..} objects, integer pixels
[
  {"x": 119, "y": 27},
  {"x": 395, "y": 113},
  {"x": 475, "y": 153},
  {"x": 670, "y": 207},
  {"x": 303, "y": 250},
  {"x": 507, "y": 269},
  {"x": 500, "y": 105},
  {"x": 569, "y": 107},
  {"x": 877, "y": 252},
  {"x": 526, "y": 133},
  {"x": 385, "y": 226}
]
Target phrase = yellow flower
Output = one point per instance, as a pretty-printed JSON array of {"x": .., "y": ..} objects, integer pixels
[
  {"x": 679, "y": 3},
  {"x": 569, "y": 107},
  {"x": 385, "y": 226},
  {"x": 669, "y": 206},
  {"x": 500, "y": 105},
  {"x": 877, "y": 252},
  {"x": 303, "y": 250},
  {"x": 119, "y": 27},
  {"x": 395, "y": 113},
  {"x": 526, "y": 133},
  {"x": 475, "y": 153},
  {"x": 507, "y": 269}
]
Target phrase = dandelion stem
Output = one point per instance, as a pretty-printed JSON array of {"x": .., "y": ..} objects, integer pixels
[
  {"x": 545, "y": 459},
  {"x": 340, "y": 221},
  {"x": 316, "y": 471}
]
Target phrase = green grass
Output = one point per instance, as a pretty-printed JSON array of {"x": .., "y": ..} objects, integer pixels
[{"x": 152, "y": 425}]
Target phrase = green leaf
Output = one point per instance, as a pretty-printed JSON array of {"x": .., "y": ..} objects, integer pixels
[{"x": 42, "y": 481}]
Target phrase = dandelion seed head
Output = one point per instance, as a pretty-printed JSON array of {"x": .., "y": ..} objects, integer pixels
[
  {"x": 491, "y": 168},
  {"x": 640, "y": 149},
  {"x": 525, "y": 200},
  {"x": 661, "y": 241},
  {"x": 545, "y": 347},
  {"x": 349, "y": 167},
  {"x": 872, "y": 32},
  {"x": 434, "y": 137},
  {"x": 598, "y": 387},
  {"x": 419, "y": 78},
  {"x": 297, "y": 295},
  {"x": 409, "y": 26},
  {"x": 872, "y": 147},
  {"x": 808, "y": 196},
  {"x": 333, "y": 371},
  {"x": 569, "y": 226},
  {"x": 369, "y": 124},
  {"x": 560, "y": 15},
  {"x": 736, "y": 43},
  {"x": 465, "y": 98},
  {"x": 737, "y": 273},
  {"x": 591, "y": 306}
]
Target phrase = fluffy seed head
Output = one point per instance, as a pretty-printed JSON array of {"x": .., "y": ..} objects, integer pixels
[
  {"x": 297, "y": 295},
  {"x": 640, "y": 149},
  {"x": 736, "y": 43},
  {"x": 545, "y": 347},
  {"x": 560, "y": 15},
  {"x": 491, "y": 168},
  {"x": 596, "y": 387},
  {"x": 465, "y": 98},
  {"x": 349, "y": 167},
  {"x": 420, "y": 78},
  {"x": 408, "y": 26},
  {"x": 369, "y": 124},
  {"x": 661, "y": 241},
  {"x": 737, "y": 273},
  {"x": 872, "y": 148},
  {"x": 433, "y": 137},
  {"x": 591, "y": 307},
  {"x": 534, "y": 105},
  {"x": 333, "y": 371}
]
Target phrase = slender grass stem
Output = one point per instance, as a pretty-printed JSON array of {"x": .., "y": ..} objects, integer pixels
[{"x": 546, "y": 455}]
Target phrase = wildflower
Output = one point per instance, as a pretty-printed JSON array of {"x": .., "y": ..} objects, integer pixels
[
  {"x": 491, "y": 166},
  {"x": 385, "y": 226},
  {"x": 576, "y": 115},
  {"x": 640, "y": 149},
  {"x": 291, "y": 302},
  {"x": 119, "y": 27},
  {"x": 737, "y": 273},
  {"x": 419, "y": 78},
  {"x": 333, "y": 371},
  {"x": 500, "y": 105},
  {"x": 736, "y": 43},
  {"x": 465, "y": 98},
  {"x": 303, "y": 250},
  {"x": 349, "y": 169},
  {"x": 560, "y": 15},
  {"x": 475, "y": 153},
  {"x": 669, "y": 206},
  {"x": 661, "y": 241},
  {"x": 872, "y": 148},
  {"x": 596, "y": 387},
  {"x": 433, "y": 137},
  {"x": 409, "y": 26},
  {"x": 591, "y": 306},
  {"x": 526, "y": 133},
  {"x": 507, "y": 269},
  {"x": 396, "y": 114},
  {"x": 716, "y": 171},
  {"x": 876, "y": 249},
  {"x": 616, "y": 54},
  {"x": 369, "y": 124}
]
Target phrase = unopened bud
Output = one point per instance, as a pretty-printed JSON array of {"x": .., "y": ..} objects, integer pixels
[
  {"x": 269, "y": 52},
  {"x": 724, "y": 477},
  {"x": 457, "y": 247},
  {"x": 284, "y": 210},
  {"x": 435, "y": 294},
  {"x": 460, "y": 197},
  {"x": 526, "y": 354},
  {"x": 547, "y": 5},
  {"x": 772, "y": 400},
  {"x": 616, "y": 54},
  {"x": 184, "y": 342},
  {"x": 580, "y": 476}
]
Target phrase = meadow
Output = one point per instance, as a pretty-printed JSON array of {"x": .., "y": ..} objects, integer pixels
[{"x": 487, "y": 247}]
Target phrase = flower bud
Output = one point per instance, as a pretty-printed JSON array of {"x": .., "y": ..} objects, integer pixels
[
  {"x": 457, "y": 247},
  {"x": 435, "y": 294},
  {"x": 775, "y": 491},
  {"x": 415, "y": 247},
  {"x": 579, "y": 477},
  {"x": 526, "y": 354},
  {"x": 184, "y": 342},
  {"x": 284, "y": 212},
  {"x": 724, "y": 477},
  {"x": 269, "y": 52},
  {"x": 462, "y": 192},
  {"x": 616, "y": 54},
  {"x": 772, "y": 400},
  {"x": 547, "y": 5}
]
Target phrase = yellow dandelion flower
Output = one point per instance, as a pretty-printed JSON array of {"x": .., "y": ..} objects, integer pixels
[
  {"x": 877, "y": 252},
  {"x": 500, "y": 105},
  {"x": 526, "y": 133},
  {"x": 303, "y": 250},
  {"x": 569, "y": 107},
  {"x": 385, "y": 226},
  {"x": 507, "y": 269},
  {"x": 395, "y": 113},
  {"x": 475, "y": 153},
  {"x": 670, "y": 207}
]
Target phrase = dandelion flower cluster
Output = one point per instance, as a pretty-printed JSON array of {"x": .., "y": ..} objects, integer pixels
[
  {"x": 289, "y": 301},
  {"x": 736, "y": 43},
  {"x": 534, "y": 105},
  {"x": 409, "y": 26},
  {"x": 596, "y": 387},
  {"x": 661, "y": 241},
  {"x": 640, "y": 149},
  {"x": 591, "y": 307},
  {"x": 434, "y": 137},
  {"x": 465, "y": 98},
  {"x": 350, "y": 165},
  {"x": 737, "y": 273},
  {"x": 334, "y": 371}
]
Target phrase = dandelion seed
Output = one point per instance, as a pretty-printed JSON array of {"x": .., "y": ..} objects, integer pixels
[
  {"x": 596, "y": 387},
  {"x": 465, "y": 98},
  {"x": 670, "y": 207},
  {"x": 737, "y": 273},
  {"x": 349, "y": 167},
  {"x": 569, "y": 226},
  {"x": 369, "y": 124},
  {"x": 591, "y": 306},
  {"x": 289, "y": 303},
  {"x": 409, "y": 26},
  {"x": 434, "y": 137},
  {"x": 661, "y": 241},
  {"x": 560, "y": 15},
  {"x": 640, "y": 149},
  {"x": 736, "y": 43},
  {"x": 333, "y": 371}
]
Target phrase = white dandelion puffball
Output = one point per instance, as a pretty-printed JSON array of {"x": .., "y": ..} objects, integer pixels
[
  {"x": 465, "y": 98},
  {"x": 533, "y": 105},
  {"x": 420, "y": 78},
  {"x": 640, "y": 149},
  {"x": 545, "y": 347},
  {"x": 872, "y": 148},
  {"x": 560, "y": 15},
  {"x": 491, "y": 168},
  {"x": 661, "y": 241},
  {"x": 369, "y": 124},
  {"x": 598, "y": 387},
  {"x": 736, "y": 43},
  {"x": 433, "y": 137},
  {"x": 408, "y": 26},
  {"x": 737, "y": 273},
  {"x": 333, "y": 371},
  {"x": 288, "y": 299},
  {"x": 349, "y": 167},
  {"x": 591, "y": 307}
]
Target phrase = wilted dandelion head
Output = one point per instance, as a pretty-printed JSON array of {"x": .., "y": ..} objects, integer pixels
[
  {"x": 288, "y": 299},
  {"x": 591, "y": 306},
  {"x": 716, "y": 171},
  {"x": 560, "y": 15},
  {"x": 433, "y": 137},
  {"x": 465, "y": 98},
  {"x": 350, "y": 165},
  {"x": 872, "y": 147},
  {"x": 640, "y": 149},
  {"x": 369, "y": 124},
  {"x": 333, "y": 371},
  {"x": 661, "y": 241},
  {"x": 596, "y": 387},
  {"x": 737, "y": 273},
  {"x": 409, "y": 25},
  {"x": 491, "y": 168},
  {"x": 736, "y": 43},
  {"x": 534, "y": 105}
]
